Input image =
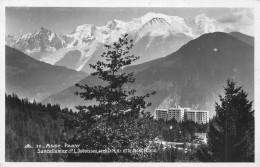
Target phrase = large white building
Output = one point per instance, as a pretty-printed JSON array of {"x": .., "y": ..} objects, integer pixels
[
  {"x": 190, "y": 115},
  {"x": 180, "y": 114},
  {"x": 177, "y": 113},
  {"x": 202, "y": 116},
  {"x": 161, "y": 114}
]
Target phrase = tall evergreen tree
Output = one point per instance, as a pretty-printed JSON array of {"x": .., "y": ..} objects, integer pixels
[
  {"x": 231, "y": 137},
  {"x": 113, "y": 122}
]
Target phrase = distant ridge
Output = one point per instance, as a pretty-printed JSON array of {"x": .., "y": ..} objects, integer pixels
[
  {"x": 243, "y": 37},
  {"x": 32, "y": 79},
  {"x": 193, "y": 76}
]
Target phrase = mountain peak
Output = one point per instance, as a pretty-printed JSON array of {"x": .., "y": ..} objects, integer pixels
[
  {"x": 84, "y": 27},
  {"x": 158, "y": 20},
  {"x": 114, "y": 23},
  {"x": 151, "y": 15},
  {"x": 42, "y": 30}
]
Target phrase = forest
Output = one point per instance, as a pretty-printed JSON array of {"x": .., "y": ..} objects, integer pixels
[{"x": 37, "y": 124}]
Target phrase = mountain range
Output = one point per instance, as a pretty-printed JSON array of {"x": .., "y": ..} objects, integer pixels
[
  {"x": 35, "y": 80},
  {"x": 155, "y": 35},
  {"x": 193, "y": 76}
]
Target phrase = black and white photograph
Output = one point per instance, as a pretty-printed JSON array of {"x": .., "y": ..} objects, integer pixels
[{"x": 161, "y": 84}]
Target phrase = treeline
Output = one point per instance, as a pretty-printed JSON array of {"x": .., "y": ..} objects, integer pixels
[
  {"x": 37, "y": 124},
  {"x": 34, "y": 124}
]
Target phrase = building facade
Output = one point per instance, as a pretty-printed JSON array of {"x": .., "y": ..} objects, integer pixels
[
  {"x": 181, "y": 114},
  {"x": 190, "y": 114},
  {"x": 176, "y": 113},
  {"x": 202, "y": 117},
  {"x": 161, "y": 114}
]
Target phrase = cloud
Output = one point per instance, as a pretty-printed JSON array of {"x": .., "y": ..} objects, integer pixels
[
  {"x": 236, "y": 19},
  {"x": 239, "y": 19},
  {"x": 204, "y": 24},
  {"x": 237, "y": 15},
  {"x": 228, "y": 20}
]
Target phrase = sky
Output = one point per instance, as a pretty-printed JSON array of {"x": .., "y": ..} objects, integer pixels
[{"x": 22, "y": 20}]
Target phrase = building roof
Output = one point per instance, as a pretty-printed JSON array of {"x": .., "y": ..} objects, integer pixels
[{"x": 162, "y": 109}]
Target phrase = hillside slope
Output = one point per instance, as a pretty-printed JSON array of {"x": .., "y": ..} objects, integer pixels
[
  {"x": 191, "y": 77},
  {"x": 32, "y": 79},
  {"x": 242, "y": 37}
]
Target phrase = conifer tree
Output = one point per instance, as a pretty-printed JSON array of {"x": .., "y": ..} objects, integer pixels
[
  {"x": 231, "y": 137},
  {"x": 113, "y": 122}
]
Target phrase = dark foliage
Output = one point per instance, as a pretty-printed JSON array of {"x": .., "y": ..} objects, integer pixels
[
  {"x": 117, "y": 120},
  {"x": 231, "y": 137},
  {"x": 180, "y": 131},
  {"x": 203, "y": 154},
  {"x": 34, "y": 124}
]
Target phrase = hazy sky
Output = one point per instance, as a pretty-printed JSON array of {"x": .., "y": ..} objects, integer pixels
[{"x": 21, "y": 20}]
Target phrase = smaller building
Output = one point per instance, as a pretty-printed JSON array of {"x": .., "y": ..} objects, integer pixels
[{"x": 202, "y": 137}]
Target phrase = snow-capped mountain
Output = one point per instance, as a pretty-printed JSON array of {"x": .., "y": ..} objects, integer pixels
[
  {"x": 155, "y": 35},
  {"x": 41, "y": 40}
]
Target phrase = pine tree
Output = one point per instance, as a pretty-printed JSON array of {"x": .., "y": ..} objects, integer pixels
[
  {"x": 231, "y": 137},
  {"x": 113, "y": 122}
]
